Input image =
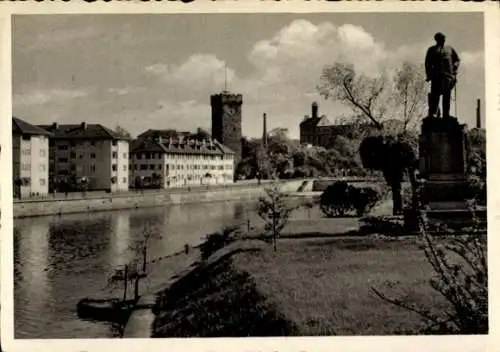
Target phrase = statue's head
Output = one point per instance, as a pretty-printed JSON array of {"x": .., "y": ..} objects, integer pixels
[{"x": 439, "y": 38}]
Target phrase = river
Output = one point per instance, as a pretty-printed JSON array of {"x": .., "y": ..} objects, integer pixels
[{"x": 61, "y": 259}]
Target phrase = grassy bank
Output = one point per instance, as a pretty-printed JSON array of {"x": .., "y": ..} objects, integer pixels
[{"x": 310, "y": 287}]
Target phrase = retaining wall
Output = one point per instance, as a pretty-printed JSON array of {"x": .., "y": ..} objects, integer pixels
[{"x": 67, "y": 206}]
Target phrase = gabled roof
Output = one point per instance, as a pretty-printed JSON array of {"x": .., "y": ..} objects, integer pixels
[
  {"x": 81, "y": 131},
  {"x": 22, "y": 127}
]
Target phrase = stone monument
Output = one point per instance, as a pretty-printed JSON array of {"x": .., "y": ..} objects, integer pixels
[{"x": 443, "y": 141}]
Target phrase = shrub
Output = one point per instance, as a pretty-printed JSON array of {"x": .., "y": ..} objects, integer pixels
[
  {"x": 274, "y": 210},
  {"x": 340, "y": 199},
  {"x": 217, "y": 240},
  {"x": 461, "y": 276}
]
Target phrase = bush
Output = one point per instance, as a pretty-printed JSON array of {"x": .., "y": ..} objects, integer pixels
[
  {"x": 216, "y": 241},
  {"x": 340, "y": 199},
  {"x": 460, "y": 275}
]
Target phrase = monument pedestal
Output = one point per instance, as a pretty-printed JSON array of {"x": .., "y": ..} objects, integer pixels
[{"x": 443, "y": 163}]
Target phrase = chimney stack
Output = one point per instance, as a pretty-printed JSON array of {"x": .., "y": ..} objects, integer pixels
[
  {"x": 264, "y": 130},
  {"x": 314, "y": 110},
  {"x": 54, "y": 125},
  {"x": 478, "y": 114},
  {"x": 83, "y": 125}
]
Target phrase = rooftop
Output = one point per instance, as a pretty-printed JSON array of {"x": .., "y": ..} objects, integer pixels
[
  {"x": 82, "y": 131},
  {"x": 179, "y": 146},
  {"x": 22, "y": 127}
]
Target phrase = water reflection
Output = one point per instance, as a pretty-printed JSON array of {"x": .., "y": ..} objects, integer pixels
[{"x": 59, "y": 260}]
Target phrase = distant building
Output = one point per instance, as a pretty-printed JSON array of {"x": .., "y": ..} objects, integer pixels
[
  {"x": 163, "y": 163},
  {"x": 89, "y": 152},
  {"x": 226, "y": 121},
  {"x": 319, "y": 131},
  {"x": 30, "y": 158}
]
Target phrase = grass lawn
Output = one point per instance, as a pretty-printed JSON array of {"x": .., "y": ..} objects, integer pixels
[
  {"x": 309, "y": 287},
  {"x": 323, "y": 285}
]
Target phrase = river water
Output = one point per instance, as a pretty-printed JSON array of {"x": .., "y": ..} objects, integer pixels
[{"x": 61, "y": 259}]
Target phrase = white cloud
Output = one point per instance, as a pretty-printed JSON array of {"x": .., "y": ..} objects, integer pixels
[{"x": 41, "y": 97}]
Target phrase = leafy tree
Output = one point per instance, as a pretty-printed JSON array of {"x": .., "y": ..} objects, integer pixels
[
  {"x": 273, "y": 209},
  {"x": 394, "y": 157},
  {"x": 122, "y": 132}
]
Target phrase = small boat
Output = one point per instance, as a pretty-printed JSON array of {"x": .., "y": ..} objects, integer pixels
[{"x": 111, "y": 309}]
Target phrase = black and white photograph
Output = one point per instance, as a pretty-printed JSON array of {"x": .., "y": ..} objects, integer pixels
[{"x": 263, "y": 174}]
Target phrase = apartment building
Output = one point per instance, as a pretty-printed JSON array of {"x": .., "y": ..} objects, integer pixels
[
  {"x": 178, "y": 162},
  {"x": 30, "y": 158},
  {"x": 88, "y": 153}
]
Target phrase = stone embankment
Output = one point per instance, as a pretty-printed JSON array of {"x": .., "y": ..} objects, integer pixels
[
  {"x": 100, "y": 201},
  {"x": 131, "y": 200}
]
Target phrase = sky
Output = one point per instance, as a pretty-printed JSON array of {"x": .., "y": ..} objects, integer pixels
[{"x": 158, "y": 71}]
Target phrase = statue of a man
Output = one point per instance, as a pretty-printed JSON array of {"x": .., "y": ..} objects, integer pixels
[{"x": 441, "y": 65}]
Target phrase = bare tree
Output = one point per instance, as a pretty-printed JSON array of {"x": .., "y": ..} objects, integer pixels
[
  {"x": 364, "y": 95},
  {"x": 275, "y": 211},
  {"x": 137, "y": 268},
  {"x": 401, "y": 95},
  {"x": 409, "y": 93}
]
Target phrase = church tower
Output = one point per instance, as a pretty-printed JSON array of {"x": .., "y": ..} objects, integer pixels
[{"x": 226, "y": 121}]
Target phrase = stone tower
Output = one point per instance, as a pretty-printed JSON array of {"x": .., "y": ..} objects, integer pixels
[{"x": 226, "y": 121}]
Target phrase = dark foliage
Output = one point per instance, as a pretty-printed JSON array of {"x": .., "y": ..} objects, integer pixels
[
  {"x": 340, "y": 199},
  {"x": 232, "y": 306},
  {"x": 394, "y": 156},
  {"x": 216, "y": 241}
]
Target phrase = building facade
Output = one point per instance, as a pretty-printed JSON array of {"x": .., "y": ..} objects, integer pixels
[
  {"x": 179, "y": 162},
  {"x": 226, "y": 121},
  {"x": 88, "y": 154},
  {"x": 30, "y": 158},
  {"x": 318, "y": 130}
]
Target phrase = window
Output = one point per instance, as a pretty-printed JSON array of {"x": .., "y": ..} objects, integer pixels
[
  {"x": 92, "y": 143},
  {"x": 92, "y": 168},
  {"x": 42, "y": 153},
  {"x": 42, "y": 167},
  {"x": 135, "y": 166},
  {"x": 124, "y": 180},
  {"x": 159, "y": 166},
  {"x": 114, "y": 143},
  {"x": 139, "y": 155},
  {"x": 148, "y": 155},
  {"x": 92, "y": 155},
  {"x": 62, "y": 147},
  {"x": 113, "y": 167},
  {"x": 124, "y": 167},
  {"x": 125, "y": 156},
  {"x": 62, "y": 160},
  {"x": 26, "y": 138},
  {"x": 152, "y": 166},
  {"x": 51, "y": 143},
  {"x": 143, "y": 167},
  {"x": 115, "y": 155},
  {"x": 42, "y": 182},
  {"x": 72, "y": 155},
  {"x": 72, "y": 143},
  {"x": 130, "y": 166}
]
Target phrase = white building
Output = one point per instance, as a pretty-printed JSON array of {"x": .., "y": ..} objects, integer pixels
[
  {"x": 30, "y": 158},
  {"x": 89, "y": 153},
  {"x": 164, "y": 163}
]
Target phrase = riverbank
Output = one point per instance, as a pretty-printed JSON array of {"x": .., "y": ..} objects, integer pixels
[
  {"x": 309, "y": 287},
  {"x": 130, "y": 200}
]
